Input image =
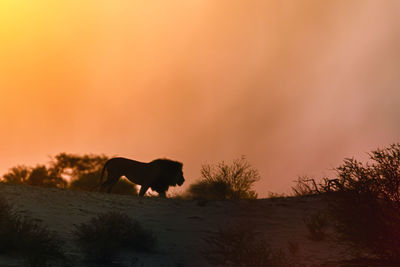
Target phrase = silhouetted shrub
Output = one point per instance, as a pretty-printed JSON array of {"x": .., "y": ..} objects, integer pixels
[
  {"x": 225, "y": 181},
  {"x": 37, "y": 244},
  {"x": 367, "y": 205},
  {"x": 211, "y": 190},
  {"x": 41, "y": 176},
  {"x": 37, "y": 176},
  {"x": 105, "y": 235},
  {"x": 62, "y": 168},
  {"x": 273, "y": 195},
  {"x": 305, "y": 186},
  {"x": 17, "y": 175},
  {"x": 7, "y": 217},
  {"x": 25, "y": 237},
  {"x": 82, "y": 170},
  {"x": 73, "y": 166},
  {"x": 242, "y": 246},
  {"x": 86, "y": 182},
  {"x": 316, "y": 224}
]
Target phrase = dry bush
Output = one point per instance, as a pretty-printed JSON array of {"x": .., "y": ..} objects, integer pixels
[
  {"x": 62, "y": 168},
  {"x": 215, "y": 190},
  {"x": 316, "y": 224},
  {"x": 224, "y": 181},
  {"x": 105, "y": 235},
  {"x": 42, "y": 176},
  {"x": 272, "y": 195},
  {"x": 364, "y": 203},
  {"x": 36, "y": 176},
  {"x": 17, "y": 175},
  {"x": 305, "y": 186},
  {"x": 26, "y": 238},
  {"x": 367, "y": 206},
  {"x": 241, "y": 246}
]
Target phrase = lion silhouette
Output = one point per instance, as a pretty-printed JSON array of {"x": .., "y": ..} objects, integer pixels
[{"x": 158, "y": 174}]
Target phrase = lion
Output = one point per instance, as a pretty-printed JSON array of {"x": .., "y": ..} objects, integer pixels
[{"x": 158, "y": 174}]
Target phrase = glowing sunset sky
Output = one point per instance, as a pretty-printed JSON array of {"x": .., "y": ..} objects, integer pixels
[{"x": 296, "y": 86}]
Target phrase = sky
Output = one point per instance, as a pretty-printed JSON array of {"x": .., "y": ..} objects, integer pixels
[{"x": 295, "y": 86}]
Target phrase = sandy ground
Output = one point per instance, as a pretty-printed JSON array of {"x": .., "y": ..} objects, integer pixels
[{"x": 180, "y": 225}]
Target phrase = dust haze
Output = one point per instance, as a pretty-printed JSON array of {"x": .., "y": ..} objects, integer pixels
[{"x": 295, "y": 86}]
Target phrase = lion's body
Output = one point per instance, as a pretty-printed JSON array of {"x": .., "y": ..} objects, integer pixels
[{"x": 158, "y": 174}]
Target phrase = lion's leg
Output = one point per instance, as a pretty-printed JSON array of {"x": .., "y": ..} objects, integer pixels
[
  {"x": 104, "y": 185},
  {"x": 162, "y": 194},
  {"x": 109, "y": 183},
  {"x": 143, "y": 190},
  {"x": 110, "y": 187},
  {"x": 113, "y": 182}
]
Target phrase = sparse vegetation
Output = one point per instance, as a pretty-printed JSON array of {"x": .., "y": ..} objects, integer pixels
[
  {"x": 224, "y": 181},
  {"x": 38, "y": 176},
  {"x": 42, "y": 176},
  {"x": 273, "y": 195},
  {"x": 316, "y": 224},
  {"x": 104, "y": 236},
  {"x": 24, "y": 237},
  {"x": 67, "y": 171},
  {"x": 17, "y": 175},
  {"x": 364, "y": 203},
  {"x": 211, "y": 190},
  {"x": 305, "y": 186},
  {"x": 367, "y": 206},
  {"x": 242, "y": 246}
]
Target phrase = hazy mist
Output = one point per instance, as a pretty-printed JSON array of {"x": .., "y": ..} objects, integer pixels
[{"x": 296, "y": 86}]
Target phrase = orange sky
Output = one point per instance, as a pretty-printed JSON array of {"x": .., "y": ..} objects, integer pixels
[{"x": 295, "y": 86}]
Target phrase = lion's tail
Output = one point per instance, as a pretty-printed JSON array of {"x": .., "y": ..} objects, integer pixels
[{"x": 101, "y": 177}]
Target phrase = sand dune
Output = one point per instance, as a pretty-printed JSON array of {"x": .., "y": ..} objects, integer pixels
[{"x": 180, "y": 225}]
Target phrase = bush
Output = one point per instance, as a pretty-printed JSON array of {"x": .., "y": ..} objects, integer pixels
[
  {"x": 36, "y": 176},
  {"x": 367, "y": 206},
  {"x": 108, "y": 233},
  {"x": 62, "y": 168},
  {"x": 225, "y": 181},
  {"x": 210, "y": 190},
  {"x": 305, "y": 186},
  {"x": 316, "y": 225},
  {"x": 17, "y": 175},
  {"x": 272, "y": 195},
  {"x": 41, "y": 176},
  {"x": 37, "y": 244},
  {"x": 241, "y": 246},
  {"x": 28, "y": 239},
  {"x": 72, "y": 165}
]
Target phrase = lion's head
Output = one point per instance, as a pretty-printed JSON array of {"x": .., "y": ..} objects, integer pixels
[{"x": 170, "y": 173}]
